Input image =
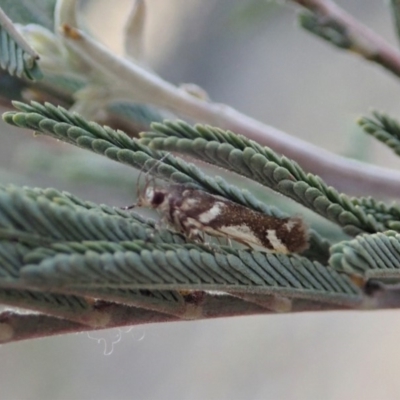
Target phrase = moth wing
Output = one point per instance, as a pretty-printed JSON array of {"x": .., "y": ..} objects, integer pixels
[{"x": 242, "y": 234}]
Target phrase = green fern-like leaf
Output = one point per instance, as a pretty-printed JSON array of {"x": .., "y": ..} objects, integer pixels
[
  {"x": 56, "y": 219},
  {"x": 15, "y": 58},
  {"x": 384, "y": 128},
  {"x": 371, "y": 256},
  {"x": 52, "y": 238},
  {"x": 388, "y": 215},
  {"x": 139, "y": 265},
  {"x": 72, "y": 128},
  {"x": 263, "y": 165},
  {"x": 57, "y": 251}
]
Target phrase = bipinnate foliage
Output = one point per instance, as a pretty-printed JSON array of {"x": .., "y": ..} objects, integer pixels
[
  {"x": 64, "y": 249},
  {"x": 263, "y": 165},
  {"x": 372, "y": 256},
  {"x": 82, "y": 265},
  {"x": 16, "y": 56},
  {"x": 384, "y": 128}
]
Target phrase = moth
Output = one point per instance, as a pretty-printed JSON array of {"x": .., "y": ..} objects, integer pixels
[{"x": 195, "y": 213}]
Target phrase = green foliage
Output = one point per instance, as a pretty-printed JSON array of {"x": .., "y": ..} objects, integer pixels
[
  {"x": 248, "y": 158},
  {"x": 58, "y": 251},
  {"x": 139, "y": 265},
  {"x": 117, "y": 146},
  {"x": 371, "y": 256},
  {"x": 80, "y": 244},
  {"x": 54, "y": 240},
  {"x": 88, "y": 222},
  {"x": 15, "y": 59},
  {"x": 387, "y": 215},
  {"x": 74, "y": 239},
  {"x": 384, "y": 128}
]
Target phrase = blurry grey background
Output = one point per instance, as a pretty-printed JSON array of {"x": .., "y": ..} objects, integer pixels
[{"x": 262, "y": 64}]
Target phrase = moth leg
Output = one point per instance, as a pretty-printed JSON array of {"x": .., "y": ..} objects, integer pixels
[
  {"x": 190, "y": 228},
  {"x": 196, "y": 235}
]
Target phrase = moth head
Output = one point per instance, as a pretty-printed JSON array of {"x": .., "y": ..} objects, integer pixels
[{"x": 152, "y": 197}]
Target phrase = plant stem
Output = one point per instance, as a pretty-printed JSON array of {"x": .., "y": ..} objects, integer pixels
[
  {"x": 364, "y": 40},
  {"x": 134, "y": 83}
]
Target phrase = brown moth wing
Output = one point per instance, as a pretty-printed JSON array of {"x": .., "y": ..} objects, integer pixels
[{"x": 216, "y": 216}]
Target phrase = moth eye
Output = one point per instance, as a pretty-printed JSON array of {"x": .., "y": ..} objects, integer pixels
[{"x": 158, "y": 198}]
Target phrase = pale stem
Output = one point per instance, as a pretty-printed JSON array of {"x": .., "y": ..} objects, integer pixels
[
  {"x": 364, "y": 40},
  {"x": 138, "y": 84}
]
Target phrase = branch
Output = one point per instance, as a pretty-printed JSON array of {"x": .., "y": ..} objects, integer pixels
[
  {"x": 134, "y": 83},
  {"x": 351, "y": 34},
  {"x": 15, "y": 326}
]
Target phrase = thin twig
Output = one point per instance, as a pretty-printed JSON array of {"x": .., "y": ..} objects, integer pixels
[
  {"x": 364, "y": 40},
  {"x": 16, "y": 326},
  {"x": 200, "y": 306},
  {"x": 133, "y": 82},
  {"x": 281, "y": 304}
]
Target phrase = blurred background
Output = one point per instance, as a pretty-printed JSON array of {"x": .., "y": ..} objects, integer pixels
[{"x": 252, "y": 56}]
